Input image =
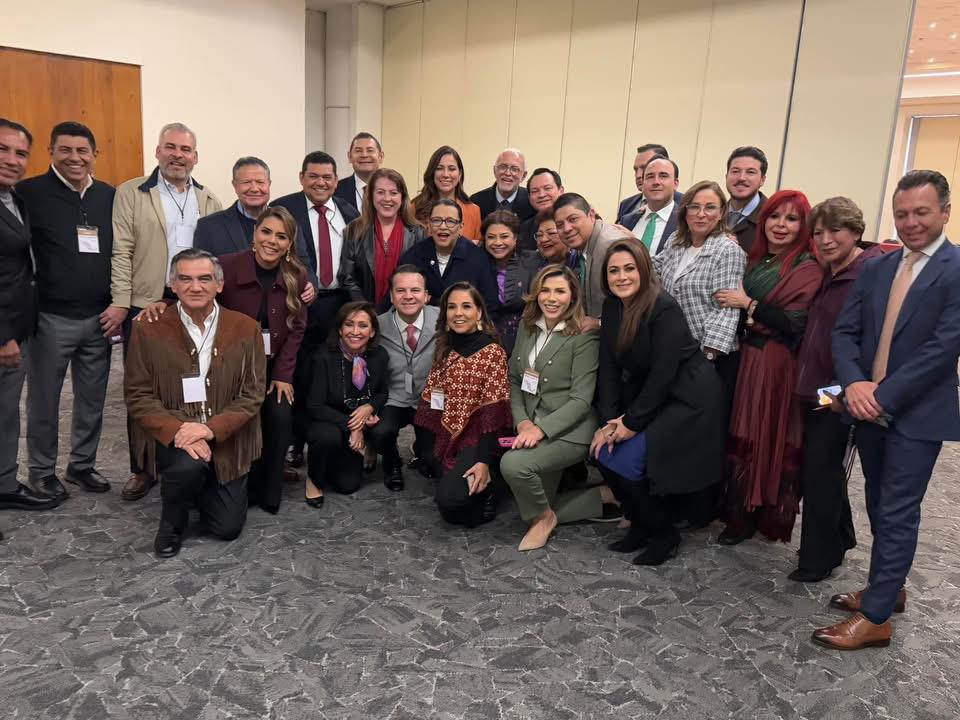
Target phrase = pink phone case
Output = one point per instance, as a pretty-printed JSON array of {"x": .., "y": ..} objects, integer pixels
[{"x": 507, "y": 442}]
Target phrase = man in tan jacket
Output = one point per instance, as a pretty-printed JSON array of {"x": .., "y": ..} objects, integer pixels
[
  {"x": 194, "y": 384},
  {"x": 154, "y": 218}
]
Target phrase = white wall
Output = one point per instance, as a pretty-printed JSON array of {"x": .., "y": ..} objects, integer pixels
[{"x": 233, "y": 70}]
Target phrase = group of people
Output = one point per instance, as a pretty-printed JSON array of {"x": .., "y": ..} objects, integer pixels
[{"x": 713, "y": 352}]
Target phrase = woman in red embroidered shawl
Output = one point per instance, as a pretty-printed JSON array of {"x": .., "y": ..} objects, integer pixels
[
  {"x": 465, "y": 406},
  {"x": 766, "y": 427}
]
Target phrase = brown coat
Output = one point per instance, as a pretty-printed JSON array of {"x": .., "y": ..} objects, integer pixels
[{"x": 161, "y": 353}]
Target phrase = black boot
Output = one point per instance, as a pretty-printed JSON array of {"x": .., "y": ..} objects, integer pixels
[
  {"x": 635, "y": 539},
  {"x": 660, "y": 549},
  {"x": 392, "y": 474}
]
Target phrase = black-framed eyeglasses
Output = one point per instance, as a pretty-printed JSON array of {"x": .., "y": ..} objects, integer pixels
[{"x": 444, "y": 222}]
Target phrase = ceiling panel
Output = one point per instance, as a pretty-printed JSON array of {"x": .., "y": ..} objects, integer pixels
[{"x": 935, "y": 41}]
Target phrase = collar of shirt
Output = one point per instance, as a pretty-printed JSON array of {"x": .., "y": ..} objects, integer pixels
[
  {"x": 203, "y": 341},
  {"x": 402, "y": 324},
  {"x": 929, "y": 250},
  {"x": 542, "y": 324},
  {"x": 501, "y": 198},
  {"x": 361, "y": 184},
  {"x": 750, "y": 206},
  {"x": 86, "y": 185},
  {"x": 188, "y": 322},
  {"x": 243, "y": 211},
  {"x": 664, "y": 212},
  {"x": 333, "y": 213}
]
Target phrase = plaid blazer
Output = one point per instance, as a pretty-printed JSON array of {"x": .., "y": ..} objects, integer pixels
[{"x": 719, "y": 266}]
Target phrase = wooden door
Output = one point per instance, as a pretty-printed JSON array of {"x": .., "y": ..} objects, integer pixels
[{"x": 42, "y": 89}]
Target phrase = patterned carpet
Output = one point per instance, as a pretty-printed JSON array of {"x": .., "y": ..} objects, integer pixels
[{"x": 374, "y": 608}]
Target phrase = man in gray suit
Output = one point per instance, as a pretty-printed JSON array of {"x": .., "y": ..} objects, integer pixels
[{"x": 407, "y": 333}]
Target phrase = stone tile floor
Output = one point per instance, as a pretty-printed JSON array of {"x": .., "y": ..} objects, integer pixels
[{"x": 373, "y": 608}]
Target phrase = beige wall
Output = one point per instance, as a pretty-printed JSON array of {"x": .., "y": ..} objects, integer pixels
[
  {"x": 578, "y": 84},
  {"x": 233, "y": 70}
]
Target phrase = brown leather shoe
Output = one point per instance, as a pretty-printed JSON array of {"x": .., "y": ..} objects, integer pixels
[
  {"x": 854, "y": 633},
  {"x": 137, "y": 486},
  {"x": 851, "y": 601}
]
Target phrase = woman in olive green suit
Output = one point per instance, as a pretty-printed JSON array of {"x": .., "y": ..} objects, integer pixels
[{"x": 553, "y": 373}]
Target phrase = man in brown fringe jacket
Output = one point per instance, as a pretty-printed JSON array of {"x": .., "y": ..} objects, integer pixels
[{"x": 194, "y": 383}]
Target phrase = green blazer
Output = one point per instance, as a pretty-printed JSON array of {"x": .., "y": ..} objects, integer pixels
[{"x": 563, "y": 405}]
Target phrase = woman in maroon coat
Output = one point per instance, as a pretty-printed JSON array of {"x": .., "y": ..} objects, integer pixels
[{"x": 266, "y": 283}]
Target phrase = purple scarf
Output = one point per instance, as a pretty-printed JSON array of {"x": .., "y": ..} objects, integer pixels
[{"x": 358, "y": 374}]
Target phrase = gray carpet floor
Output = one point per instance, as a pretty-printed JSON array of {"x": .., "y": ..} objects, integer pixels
[{"x": 373, "y": 607}]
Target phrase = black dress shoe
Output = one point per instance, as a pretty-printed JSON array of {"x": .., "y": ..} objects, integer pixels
[
  {"x": 424, "y": 467},
  {"x": 635, "y": 539},
  {"x": 89, "y": 480},
  {"x": 167, "y": 543},
  {"x": 50, "y": 486},
  {"x": 809, "y": 576},
  {"x": 659, "y": 550},
  {"x": 730, "y": 536},
  {"x": 314, "y": 502},
  {"x": 294, "y": 456},
  {"x": 268, "y": 508},
  {"x": 393, "y": 478},
  {"x": 26, "y": 498}
]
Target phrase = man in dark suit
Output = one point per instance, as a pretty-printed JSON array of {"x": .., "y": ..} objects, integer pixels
[
  {"x": 657, "y": 219},
  {"x": 506, "y": 193},
  {"x": 18, "y": 314},
  {"x": 746, "y": 173},
  {"x": 634, "y": 203},
  {"x": 322, "y": 219},
  {"x": 543, "y": 189},
  {"x": 895, "y": 350},
  {"x": 365, "y": 156},
  {"x": 231, "y": 230}
]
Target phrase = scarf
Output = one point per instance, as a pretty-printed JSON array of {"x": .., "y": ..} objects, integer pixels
[
  {"x": 386, "y": 255},
  {"x": 358, "y": 375},
  {"x": 466, "y": 345}
]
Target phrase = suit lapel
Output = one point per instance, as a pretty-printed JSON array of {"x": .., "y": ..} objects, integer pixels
[
  {"x": 18, "y": 227},
  {"x": 931, "y": 271},
  {"x": 235, "y": 229},
  {"x": 554, "y": 343},
  {"x": 705, "y": 254}
]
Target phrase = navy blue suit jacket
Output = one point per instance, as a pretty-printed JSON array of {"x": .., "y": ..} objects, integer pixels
[
  {"x": 467, "y": 262},
  {"x": 920, "y": 389},
  {"x": 631, "y": 219},
  {"x": 347, "y": 191},
  {"x": 296, "y": 203},
  {"x": 486, "y": 199},
  {"x": 628, "y": 206}
]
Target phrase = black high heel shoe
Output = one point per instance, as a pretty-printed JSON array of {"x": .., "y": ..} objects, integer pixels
[{"x": 659, "y": 550}]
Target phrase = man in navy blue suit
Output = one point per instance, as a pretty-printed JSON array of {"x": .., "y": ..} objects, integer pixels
[
  {"x": 656, "y": 220},
  {"x": 634, "y": 204},
  {"x": 895, "y": 350}
]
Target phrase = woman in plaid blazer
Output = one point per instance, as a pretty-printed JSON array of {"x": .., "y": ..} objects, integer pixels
[{"x": 699, "y": 259}]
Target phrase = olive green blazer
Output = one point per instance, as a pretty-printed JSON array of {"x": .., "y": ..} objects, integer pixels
[{"x": 563, "y": 405}]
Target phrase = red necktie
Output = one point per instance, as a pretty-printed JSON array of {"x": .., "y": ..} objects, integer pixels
[
  {"x": 324, "y": 252},
  {"x": 412, "y": 337}
]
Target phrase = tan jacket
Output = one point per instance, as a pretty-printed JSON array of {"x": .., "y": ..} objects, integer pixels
[
  {"x": 601, "y": 239},
  {"x": 140, "y": 262},
  {"x": 161, "y": 354}
]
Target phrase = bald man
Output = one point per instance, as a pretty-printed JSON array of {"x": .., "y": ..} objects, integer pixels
[{"x": 507, "y": 192}]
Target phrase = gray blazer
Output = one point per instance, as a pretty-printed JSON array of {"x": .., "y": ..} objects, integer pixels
[
  {"x": 563, "y": 405},
  {"x": 420, "y": 360},
  {"x": 595, "y": 251}
]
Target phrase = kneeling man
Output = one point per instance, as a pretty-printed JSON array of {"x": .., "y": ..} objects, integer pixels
[{"x": 194, "y": 383}]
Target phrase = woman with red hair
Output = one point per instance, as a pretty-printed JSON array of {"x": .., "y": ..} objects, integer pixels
[{"x": 766, "y": 427}]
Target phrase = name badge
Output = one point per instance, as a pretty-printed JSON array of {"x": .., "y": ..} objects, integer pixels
[
  {"x": 88, "y": 240},
  {"x": 437, "y": 400},
  {"x": 266, "y": 342},
  {"x": 408, "y": 382},
  {"x": 194, "y": 390},
  {"x": 530, "y": 382},
  {"x": 183, "y": 235}
]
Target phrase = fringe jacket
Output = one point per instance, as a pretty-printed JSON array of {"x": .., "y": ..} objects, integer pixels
[{"x": 161, "y": 354}]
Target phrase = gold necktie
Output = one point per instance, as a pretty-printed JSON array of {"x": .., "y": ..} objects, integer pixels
[{"x": 898, "y": 292}]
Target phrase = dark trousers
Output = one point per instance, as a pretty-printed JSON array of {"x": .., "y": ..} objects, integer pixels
[
  {"x": 11, "y": 387},
  {"x": 266, "y": 474},
  {"x": 897, "y": 470},
  {"x": 331, "y": 463},
  {"x": 186, "y": 482},
  {"x": 648, "y": 514},
  {"x": 383, "y": 435},
  {"x": 135, "y": 464},
  {"x": 454, "y": 501},
  {"x": 322, "y": 314},
  {"x": 827, "y": 531}
]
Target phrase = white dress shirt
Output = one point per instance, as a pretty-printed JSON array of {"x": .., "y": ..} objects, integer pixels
[
  {"x": 927, "y": 253},
  {"x": 361, "y": 186},
  {"x": 501, "y": 198},
  {"x": 86, "y": 185},
  {"x": 337, "y": 226},
  {"x": 180, "y": 214},
  {"x": 203, "y": 341},
  {"x": 663, "y": 217},
  {"x": 402, "y": 327}
]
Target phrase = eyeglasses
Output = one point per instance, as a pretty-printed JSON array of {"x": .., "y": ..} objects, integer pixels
[
  {"x": 549, "y": 233},
  {"x": 444, "y": 222},
  {"x": 512, "y": 169},
  {"x": 696, "y": 209}
]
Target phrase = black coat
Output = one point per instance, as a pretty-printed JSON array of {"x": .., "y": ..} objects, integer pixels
[
  {"x": 487, "y": 200},
  {"x": 18, "y": 293},
  {"x": 326, "y": 401},
  {"x": 357, "y": 261},
  {"x": 746, "y": 228},
  {"x": 664, "y": 386},
  {"x": 467, "y": 263},
  {"x": 521, "y": 270}
]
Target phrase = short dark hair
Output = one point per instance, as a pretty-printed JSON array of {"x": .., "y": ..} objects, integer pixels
[
  {"x": 408, "y": 269},
  {"x": 345, "y": 311},
  {"x": 72, "y": 129},
  {"x": 919, "y": 178},
  {"x": 540, "y": 171},
  {"x": 447, "y": 202},
  {"x": 656, "y": 147},
  {"x": 366, "y": 136},
  {"x": 4, "y": 123},
  {"x": 676, "y": 170},
  {"x": 318, "y": 157},
  {"x": 504, "y": 217},
  {"x": 247, "y": 161},
  {"x": 751, "y": 152},
  {"x": 578, "y": 201}
]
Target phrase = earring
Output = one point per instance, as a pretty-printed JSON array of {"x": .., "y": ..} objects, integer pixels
[
  {"x": 479, "y": 326},
  {"x": 288, "y": 256}
]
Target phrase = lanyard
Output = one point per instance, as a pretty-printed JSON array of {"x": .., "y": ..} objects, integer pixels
[
  {"x": 403, "y": 341},
  {"x": 537, "y": 350},
  {"x": 186, "y": 198}
]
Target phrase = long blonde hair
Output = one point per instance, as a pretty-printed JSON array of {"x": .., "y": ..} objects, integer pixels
[
  {"x": 291, "y": 269},
  {"x": 573, "y": 317}
]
